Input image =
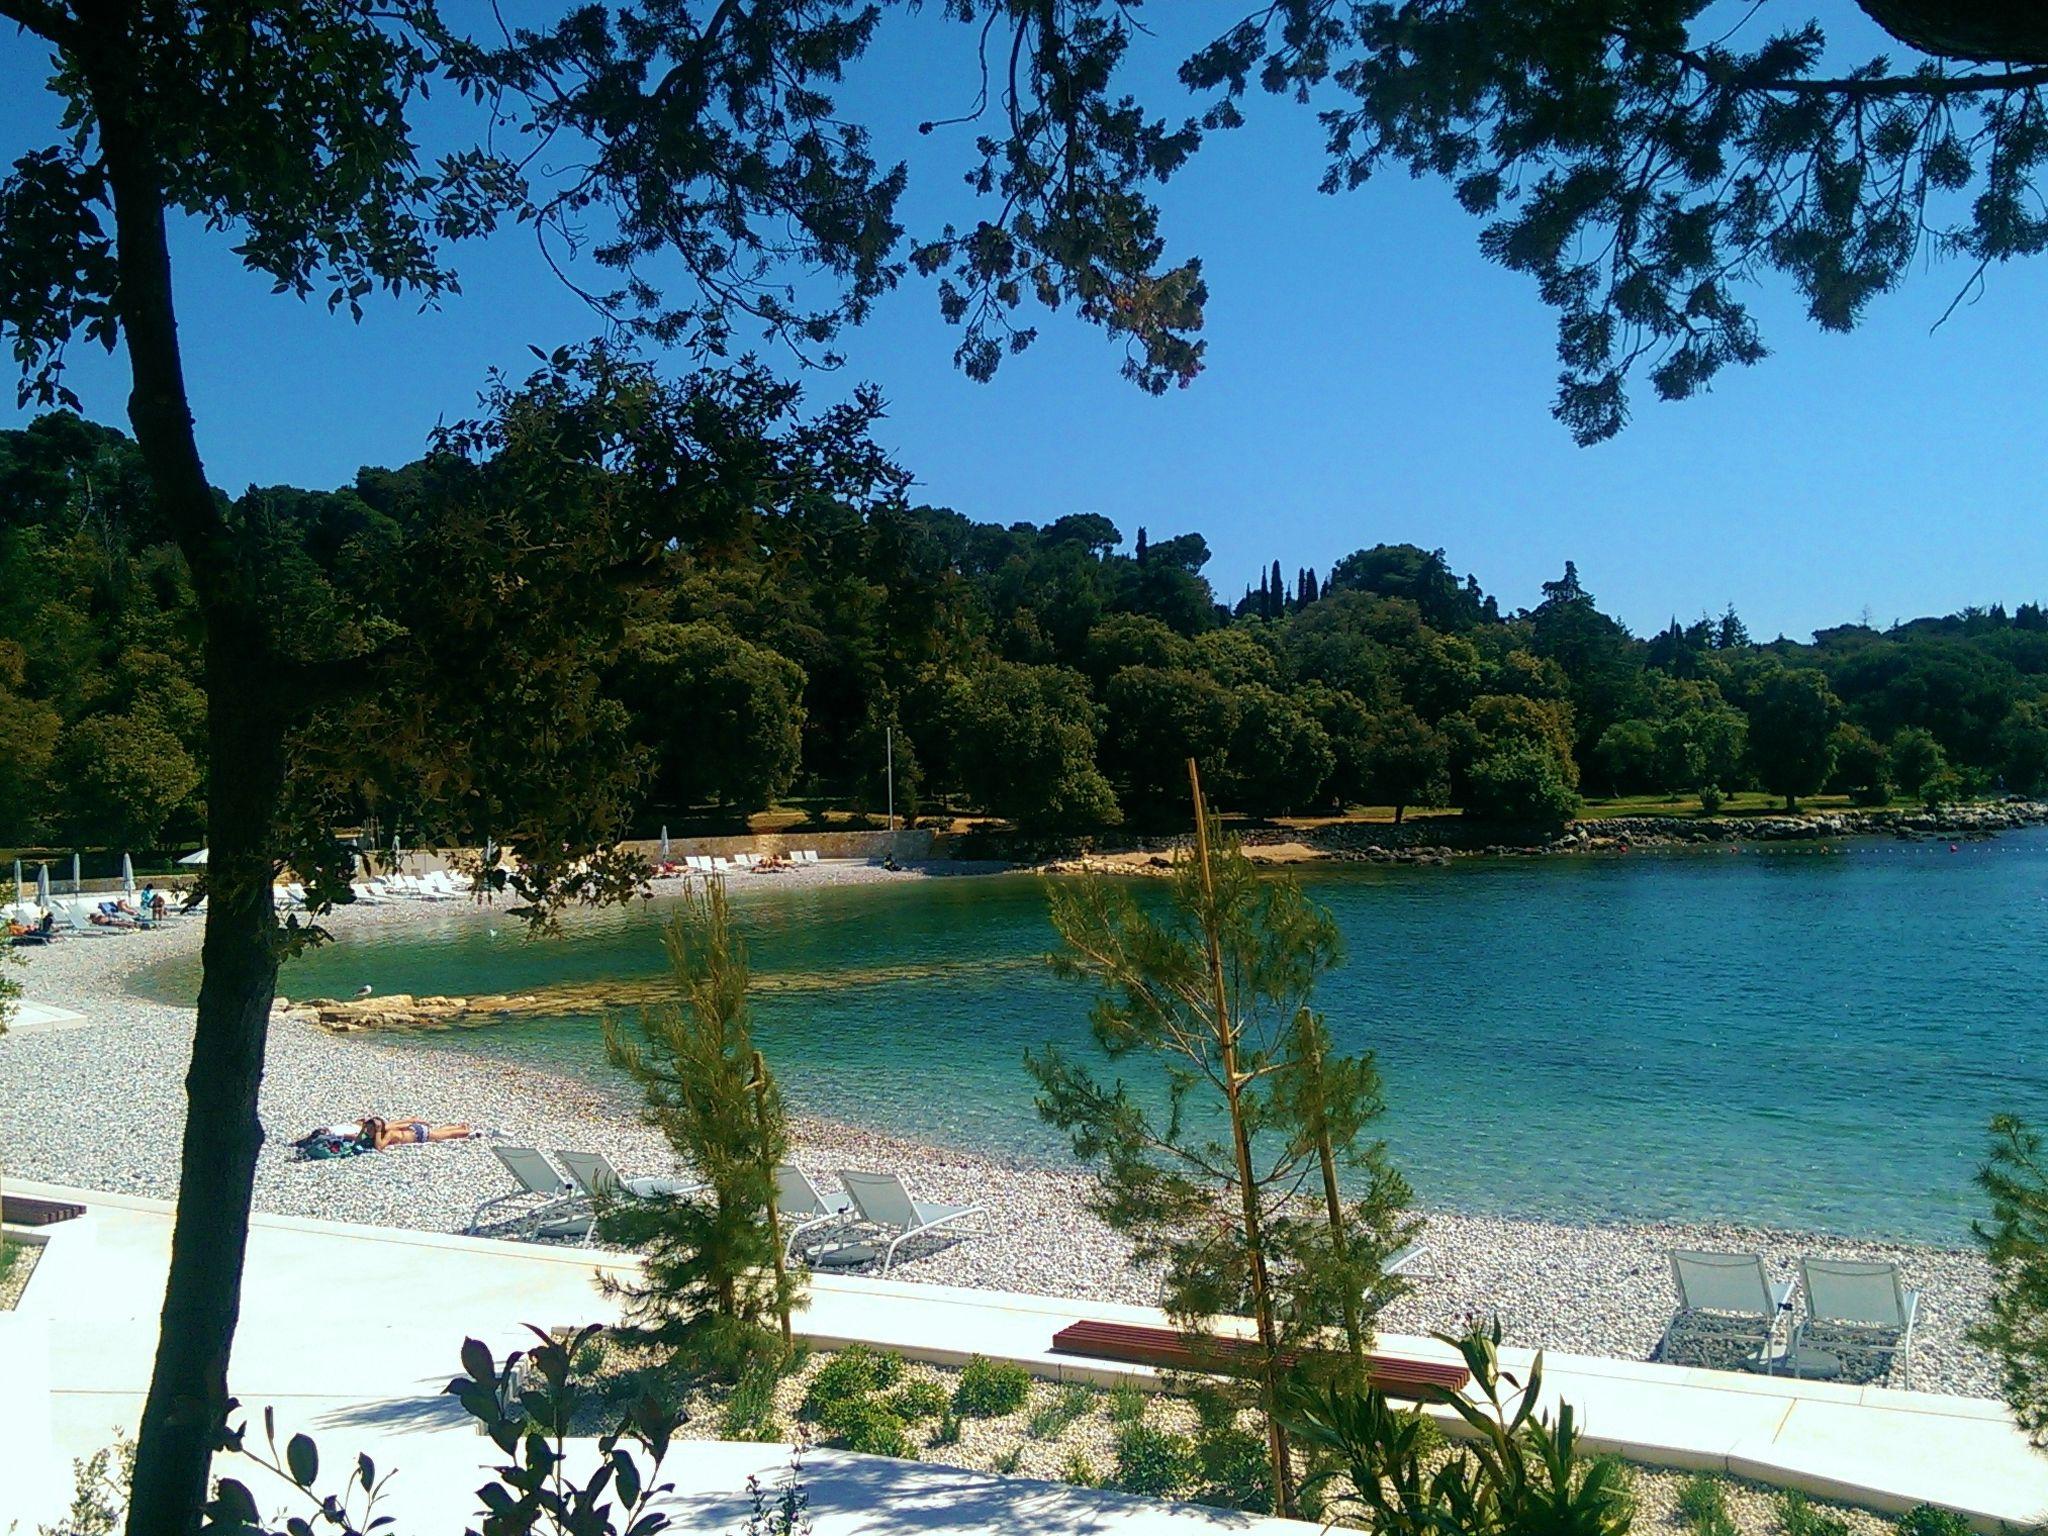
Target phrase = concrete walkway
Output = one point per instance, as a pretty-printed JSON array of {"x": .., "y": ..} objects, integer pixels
[{"x": 351, "y": 1332}]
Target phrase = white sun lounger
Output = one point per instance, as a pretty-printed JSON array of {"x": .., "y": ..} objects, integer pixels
[
  {"x": 880, "y": 1201},
  {"x": 1856, "y": 1311},
  {"x": 538, "y": 1178},
  {"x": 1727, "y": 1304},
  {"x": 592, "y": 1173},
  {"x": 797, "y": 1199}
]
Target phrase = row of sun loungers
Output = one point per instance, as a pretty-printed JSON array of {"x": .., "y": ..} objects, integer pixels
[
  {"x": 873, "y": 1219},
  {"x": 74, "y": 916},
  {"x": 381, "y": 890},
  {"x": 1859, "y": 1317},
  {"x": 718, "y": 864}
]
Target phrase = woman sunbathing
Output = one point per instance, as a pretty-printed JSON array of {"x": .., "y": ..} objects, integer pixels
[{"x": 377, "y": 1133}]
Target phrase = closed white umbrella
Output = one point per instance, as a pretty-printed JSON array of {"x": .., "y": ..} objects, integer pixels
[
  {"x": 76, "y": 884},
  {"x": 43, "y": 887},
  {"x": 127, "y": 874},
  {"x": 194, "y": 858},
  {"x": 18, "y": 893},
  {"x": 664, "y": 845}
]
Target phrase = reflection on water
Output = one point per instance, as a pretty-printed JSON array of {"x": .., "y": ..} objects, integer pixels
[{"x": 1804, "y": 1038}]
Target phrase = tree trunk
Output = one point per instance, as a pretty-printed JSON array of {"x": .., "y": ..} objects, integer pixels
[
  {"x": 1254, "y": 1235},
  {"x": 245, "y": 749},
  {"x": 188, "y": 1389}
]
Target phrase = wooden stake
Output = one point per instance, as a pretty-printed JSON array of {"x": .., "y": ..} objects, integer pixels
[{"x": 774, "y": 1217}]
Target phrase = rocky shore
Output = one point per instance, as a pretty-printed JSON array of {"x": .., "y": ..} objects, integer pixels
[
  {"x": 102, "y": 1106},
  {"x": 1439, "y": 839}
]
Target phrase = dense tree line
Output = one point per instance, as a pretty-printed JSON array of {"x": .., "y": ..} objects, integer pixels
[{"x": 1039, "y": 673}]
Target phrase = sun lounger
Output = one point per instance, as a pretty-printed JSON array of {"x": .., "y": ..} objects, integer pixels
[
  {"x": 1728, "y": 1311},
  {"x": 1171, "y": 1349},
  {"x": 1859, "y": 1319},
  {"x": 880, "y": 1201},
  {"x": 797, "y": 1199},
  {"x": 75, "y": 917},
  {"x": 593, "y": 1174},
  {"x": 537, "y": 1178}
]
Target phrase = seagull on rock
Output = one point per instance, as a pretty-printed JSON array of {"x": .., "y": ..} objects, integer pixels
[{"x": 363, "y": 991}]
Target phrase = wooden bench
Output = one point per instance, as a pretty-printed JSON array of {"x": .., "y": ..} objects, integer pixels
[
  {"x": 1170, "y": 1349},
  {"x": 26, "y": 1211}
]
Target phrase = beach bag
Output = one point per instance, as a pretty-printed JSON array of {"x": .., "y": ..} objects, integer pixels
[{"x": 320, "y": 1145}]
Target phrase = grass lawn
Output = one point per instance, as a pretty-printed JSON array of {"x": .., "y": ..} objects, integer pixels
[{"x": 1748, "y": 802}]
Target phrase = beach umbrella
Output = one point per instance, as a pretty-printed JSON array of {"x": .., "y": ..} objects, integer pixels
[
  {"x": 74, "y": 875},
  {"x": 194, "y": 858},
  {"x": 664, "y": 845},
  {"x": 43, "y": 887},
  {"x": 17, "y": 881},
  {"x": 127, "y": 874}
]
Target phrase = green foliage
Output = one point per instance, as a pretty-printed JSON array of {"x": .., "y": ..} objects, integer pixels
[
  {"x": 1798, "y": 1517},
  {"x": 1703, "y": 1505},
  {"x": 1023, "y": 741},
  {"x": 1213, "y": 991},
  {"x": 1006, "y": 1464},
  {"x": 1525, "y": 785},
  {"x": 1154, "y": 1462},
  {"x": 948, "y": 1432},
  {"x": 1082, "y": 1473},
  {"x": 1917, "y": 761},
  {"x": 989, "y": 1389},
  {"x": 1235, "y": 1468},
  {"x": 1791, "y": 732},
  {"x": 866, "y": 1425},
  {"x": 1520, "y": 1472},
  {"x": 748, "y": 1412},
  {"x": 1862, "y": 767},
  {"x": 709, "y": 1297},
  {"x": 1406, "y": 762},
  {"x": 1127, "y": 1404},
  {"x": 723, "y": 716},
  {"x": 915, "y": 1401},
  {"x": 854, "y": 1373},
  {"x": 1068, "y": 1405},
  {"x": 1930, "y": 1520},
  {"x": 2014, "y": 1329}
]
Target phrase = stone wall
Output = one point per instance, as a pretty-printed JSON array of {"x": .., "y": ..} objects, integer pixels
[{"x": 906, "y": 843}]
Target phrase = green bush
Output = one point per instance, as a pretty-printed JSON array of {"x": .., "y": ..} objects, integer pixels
[
  {"x": 749, "y": 1412},
  {"x": 1154, "y": 1462},
  {"x": 1712, "y": 798},
  {"x": 865, "y": 1425},
  {"x": 1703, "y": 1506},
  {"x": 1050, "y": 1419},
  {"x": 916, "y": 1401},
  {"x": 991, "y": 1388},
  {"x": 1126, "y": 1405},
  {"x": 1009, "y": 1461},
  {"x": 948, "y": 1432},
  {"x": 848, "y": 1376},
  {"x": 1236, "y": 1468},
  {"x": 1798, "y": 1517},
  {"x": 1080, "y": 1471},
  {"x": 1929, "y": 1520}
]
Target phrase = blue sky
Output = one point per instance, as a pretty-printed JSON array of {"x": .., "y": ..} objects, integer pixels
[{"x": 1369, "y": 378}]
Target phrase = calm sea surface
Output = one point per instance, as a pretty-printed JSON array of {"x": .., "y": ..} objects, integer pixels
[{"x": 1789, "y": 1036}]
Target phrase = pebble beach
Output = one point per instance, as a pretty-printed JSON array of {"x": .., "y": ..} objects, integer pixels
[{"x": 101, "y": 1106}]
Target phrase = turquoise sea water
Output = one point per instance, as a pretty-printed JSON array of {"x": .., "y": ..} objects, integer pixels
[{"x": 1789, "y": 1036}]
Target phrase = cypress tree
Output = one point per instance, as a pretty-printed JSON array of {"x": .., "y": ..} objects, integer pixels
[
  {"x": 1279, "y": 591},
  {"x": 714, "y": 1296},
  {"x": 1142, "y": 546}
]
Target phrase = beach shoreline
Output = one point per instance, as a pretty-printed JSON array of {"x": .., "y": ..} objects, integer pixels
[{"x": 101, "y": 1106}]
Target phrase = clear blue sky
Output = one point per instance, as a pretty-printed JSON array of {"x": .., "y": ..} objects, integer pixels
[{"x": 1369, "y": 378}]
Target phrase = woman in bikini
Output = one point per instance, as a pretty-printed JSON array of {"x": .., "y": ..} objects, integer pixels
[{"x": 378, "y": 1132}]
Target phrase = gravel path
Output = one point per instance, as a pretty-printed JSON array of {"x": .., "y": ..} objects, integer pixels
[{"x": 102, "y": 1106}]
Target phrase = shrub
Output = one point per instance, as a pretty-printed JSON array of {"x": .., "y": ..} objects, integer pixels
[
  {"x": 1712, "y": 798},
  {"x": 1703, "y": 1506},
  {"x": 1236, "y": 1469},
  {"x": 1009, "y": 1461},
  {"x": 1154, "y": 1462},
  {"x": 1798, "y": 1517},
  {"x": 991, "y": 1388},
  {"x": 1050, "y": 1420},
  {"x": 1080, "y": 1471},
  {"x": 1126, "y": 1405},
  {"x": 1930, "y": 1520},
  {"x": 865, "y": 1425},
  {"x": 916, "y": 1401},
  {"x": 948, "y": 1432},
  {"x": 749, "y": 1413},
  {"x": 848, "y": 1376}
]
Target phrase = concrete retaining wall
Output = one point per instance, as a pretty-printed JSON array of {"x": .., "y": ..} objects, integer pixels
[{"x": 907, "y": 843}]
